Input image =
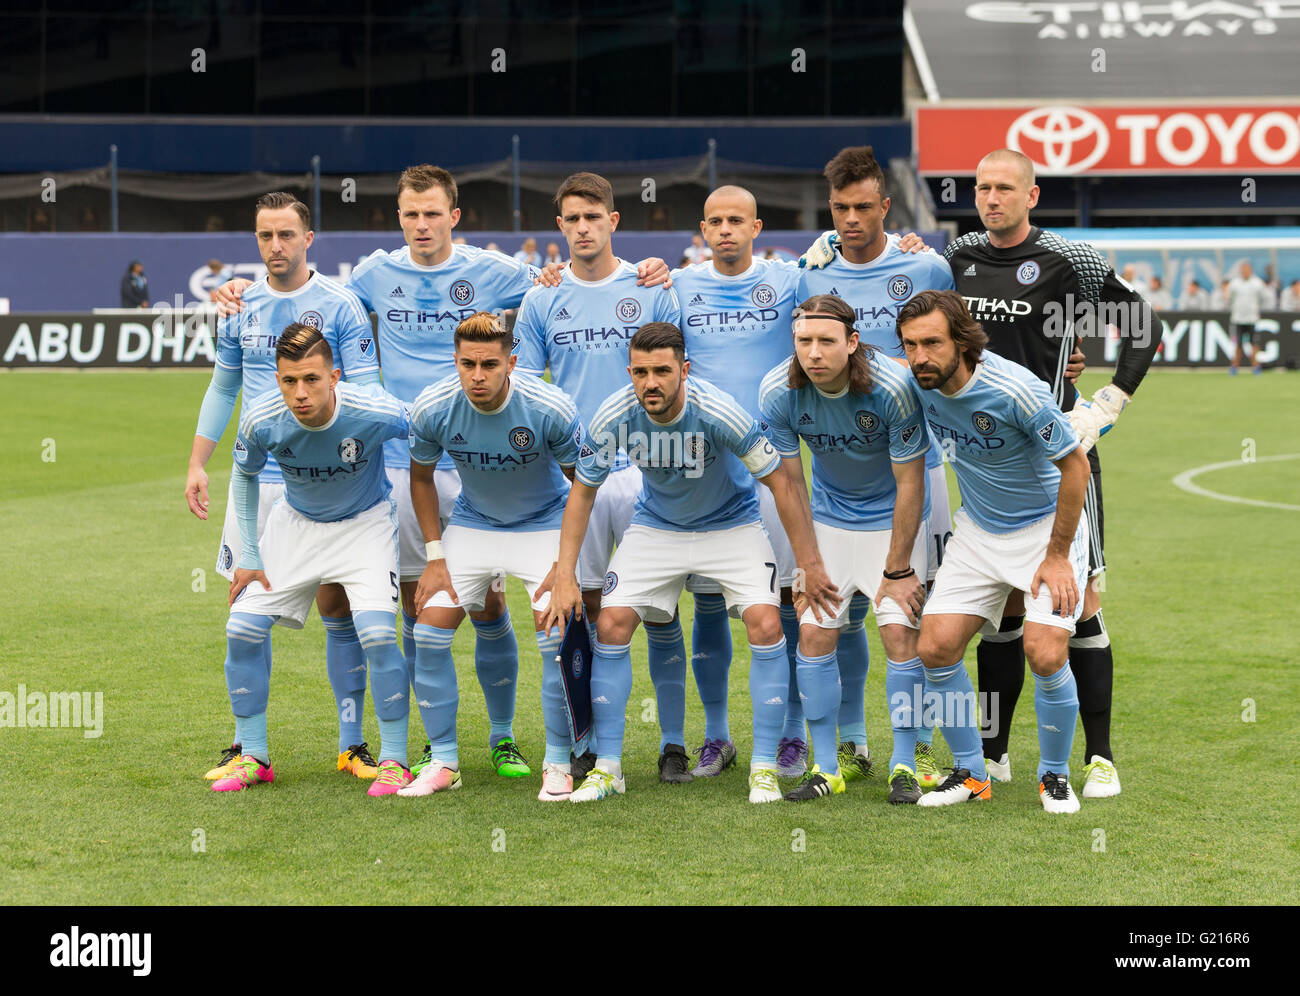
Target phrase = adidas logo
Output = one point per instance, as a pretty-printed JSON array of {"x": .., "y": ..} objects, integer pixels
[
  {"x": 286, "y": 452},
  {"x": 835, "y": 291},
  {"x": 241, "y": 691},
  {"x": 932, "y": 411},
  {"x": 359, "y": 669},
  {"x": 396, "y": 697},
  {"x": 600, "y": 700},
  {"x": 503, "y": 681},
  {"x": 697, "y": 300},
  {"x": 396, "y": 292},
  {"x": 774, "y": 700},
  {"x": 969, "y": 271},
  {"x": 674, "y": 659},
  {"x": 458, "y": 438},
  {"x": 1050, "y": 728},
  {"x": 424, "y": 704},
  {"x": 805, "y": 419},
  {"x": 562, "y": 313}
]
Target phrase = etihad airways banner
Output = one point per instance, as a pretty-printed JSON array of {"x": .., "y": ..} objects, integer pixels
[{"x": 1064, "y": 140}]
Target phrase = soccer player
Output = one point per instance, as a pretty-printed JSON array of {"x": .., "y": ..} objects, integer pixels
[
  {"x": 246, "y": 361},
  {"x": 1023, "y": 474},
  {"x": 876, "y": 276},
  {"x": 856, "y": 411},
  {"x": 580, "y": 332},
  {"x": 736, "y": 320},
  {"x": 336, "y": 524},
  {"x": 697, "y": 514},
  {"x": 1035, "y": 293},
  {"x": 514, "y": 440},
  {"x": 1247, "y": 295}
]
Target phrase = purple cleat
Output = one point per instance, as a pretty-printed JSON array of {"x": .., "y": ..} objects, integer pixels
[
  {"x": 791, "y": 758},
  {"x": 716, "y": 756}
]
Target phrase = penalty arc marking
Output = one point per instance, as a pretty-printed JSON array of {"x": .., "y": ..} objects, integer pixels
[{"x": 1185, "y": 481}]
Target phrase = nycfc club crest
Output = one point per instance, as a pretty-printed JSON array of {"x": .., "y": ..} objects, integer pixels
[
  {"x": 576, "y": 664},
  {"x": 350, "y": 450},
  {"x": 312, "y": 318},
  {"x": 521, "y": 438},
  {"x": 226, "y": 559},
  {"x": 763, "y": 296},
  {"x": 900, "y": 287},
  {"x": 867, "y": 422},
  {"x": 1027, "y": 273},
  {"x": 628, "y": 309},
  {"x": 462, "y": 292},
  {"x": 611, "y": 582},
  {"x": 984, "y": 423},
  {"x": 698, "y": 448}
]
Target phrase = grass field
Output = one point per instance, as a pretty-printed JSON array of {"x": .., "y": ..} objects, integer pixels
[{"x": 108, "y": 587}]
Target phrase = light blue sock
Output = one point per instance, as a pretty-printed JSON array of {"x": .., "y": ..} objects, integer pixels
[
  {"x": 496, "y": 660},
  {"x": 1056, "y": 706},
  {"x": 769, "y": 684},
  {"x": 389, "y": 681},
  {"x": 248, "y": 678},
  {"x": 408, "y": 645},
  {"x": 950, "y": 697},
  {"x": 668, "y": 675},
  {"x": 345, "y": 663},
  {"x": 819, "y": 687},
  {"x": 854, "y": 662},
  {"x": 555, "y": 715},
  {"x": 794, "y": 714},
  {"x": 924, "y": 734},
  {"x": 711, "y": 662},
  {"x": 435, "y": 690},
  {"x": 904, "y": 691},
  {"x": 611, "y": 684}
]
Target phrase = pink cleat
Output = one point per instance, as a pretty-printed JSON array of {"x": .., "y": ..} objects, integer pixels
[
  {"x": 557, "y": 784},
  {"x": 246, "y": 772},
  {"x": 392, "y": 777},
  {"x": 436, "y": 777}
]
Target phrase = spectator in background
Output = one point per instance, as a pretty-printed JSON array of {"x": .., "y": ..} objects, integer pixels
[
  {"x": 218, "y": 273},
  {"x": 697, "y": 252},
  {"x": 135, "y": 286},
  {"x": 1247, "y": 295},
  {"x": 470, "y": 219},
  {"x": 493, "y": 247},
  {"x": 528, "y": 253},
  {"x": 1219, "y": 299},
  {"x": 40, "y": 220},
  {"x": 215, "y": 223},
  {"x": 659, "y": 220},
  {"x": 553, "y": 254},
  {"x": 1291, "y": 297},
  {"x": 459, "y": 240},
  {"x": 769, "y": 253},
  {"x": 88, "y": 220},
  {"x": 1158, "y": 297},
  {"x": 1271, "y": 288},
  {"x": 1195, "y": 298},
  {"x": 377, "y": 221},
  {"x": 1130, "y": 277}
]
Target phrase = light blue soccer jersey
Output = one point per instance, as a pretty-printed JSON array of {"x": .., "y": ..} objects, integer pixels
[
  {"x": 1004, "y": 430},
  {"x": 509, "y": 459},
  {"x": 877, "y": 291},
  {"x": 331, "y": 472},
  {"x": 419, "y": 307},
  {"x": 581, "y": 328},
  {"x": 246, "y": 341},
  {"x": 694, "y": 475},
  {"x": 854, "y": 439},
  {"x": 737, "y": 328}
]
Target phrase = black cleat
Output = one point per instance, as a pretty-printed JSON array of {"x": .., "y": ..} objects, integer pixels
[
  {"x": 673, "y": 767},
  {"x": 580, "y": 767},
  {"x": 904, "y": 789},
  {"x": 815, "y": 784}
]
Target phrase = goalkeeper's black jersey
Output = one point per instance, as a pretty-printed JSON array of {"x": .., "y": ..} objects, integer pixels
[{"x": 1027, "y": 298}]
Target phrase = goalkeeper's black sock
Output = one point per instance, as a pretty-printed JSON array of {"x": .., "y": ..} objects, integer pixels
[
  {"x": 1094, "y": 673},
  {"x": 1001, "y": 670}
]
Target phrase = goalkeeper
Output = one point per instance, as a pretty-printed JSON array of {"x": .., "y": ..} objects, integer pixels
[{"x": 1035, "y": 294}]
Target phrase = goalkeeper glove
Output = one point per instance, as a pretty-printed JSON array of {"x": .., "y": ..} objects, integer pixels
[
  {"x": 821, "y": 253},
  {"x": 1093, "y": 419}
]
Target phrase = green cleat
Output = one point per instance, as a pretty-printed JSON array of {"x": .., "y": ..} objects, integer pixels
[
  {"x": 424, "y": 760},
  {"x": 507, "y": 760},
  {"x": 852, "y": 764},
  {"x": 903, "y": 789},
  {"x": 927, "y": 772}
]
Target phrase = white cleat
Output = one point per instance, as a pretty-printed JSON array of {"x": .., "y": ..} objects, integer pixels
[
  {"x": 1101, "y": 780},
  {"x": 599, "y": 784},
  {"x": 763, "y": 786},
  {"x": 557, "y": 784},
  {"x": 999, "y": 771},
  {"x": 1056, "y": 795},
  {"x": 434, "y": 777}
]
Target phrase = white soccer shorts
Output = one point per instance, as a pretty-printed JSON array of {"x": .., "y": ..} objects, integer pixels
[
  {"x": 981, "y": 568},
  {"x": 230, "y": 549},
  {"x": 649, "y": 569},
  {"x": 785, "y": 565},
  {"x": 610, "y": 516},
  {"x": 939, "y": 526},
  {"x": 476, "y": 558},
  {"x": 855, "y": 561},
  {"x": 300, "y": 554},
  {"x": 410, "y": 539}
]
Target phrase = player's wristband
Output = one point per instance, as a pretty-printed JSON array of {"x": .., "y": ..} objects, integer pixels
[
  {"x": 899, "y": 575},
  {"x": 433, "y": 550}
]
